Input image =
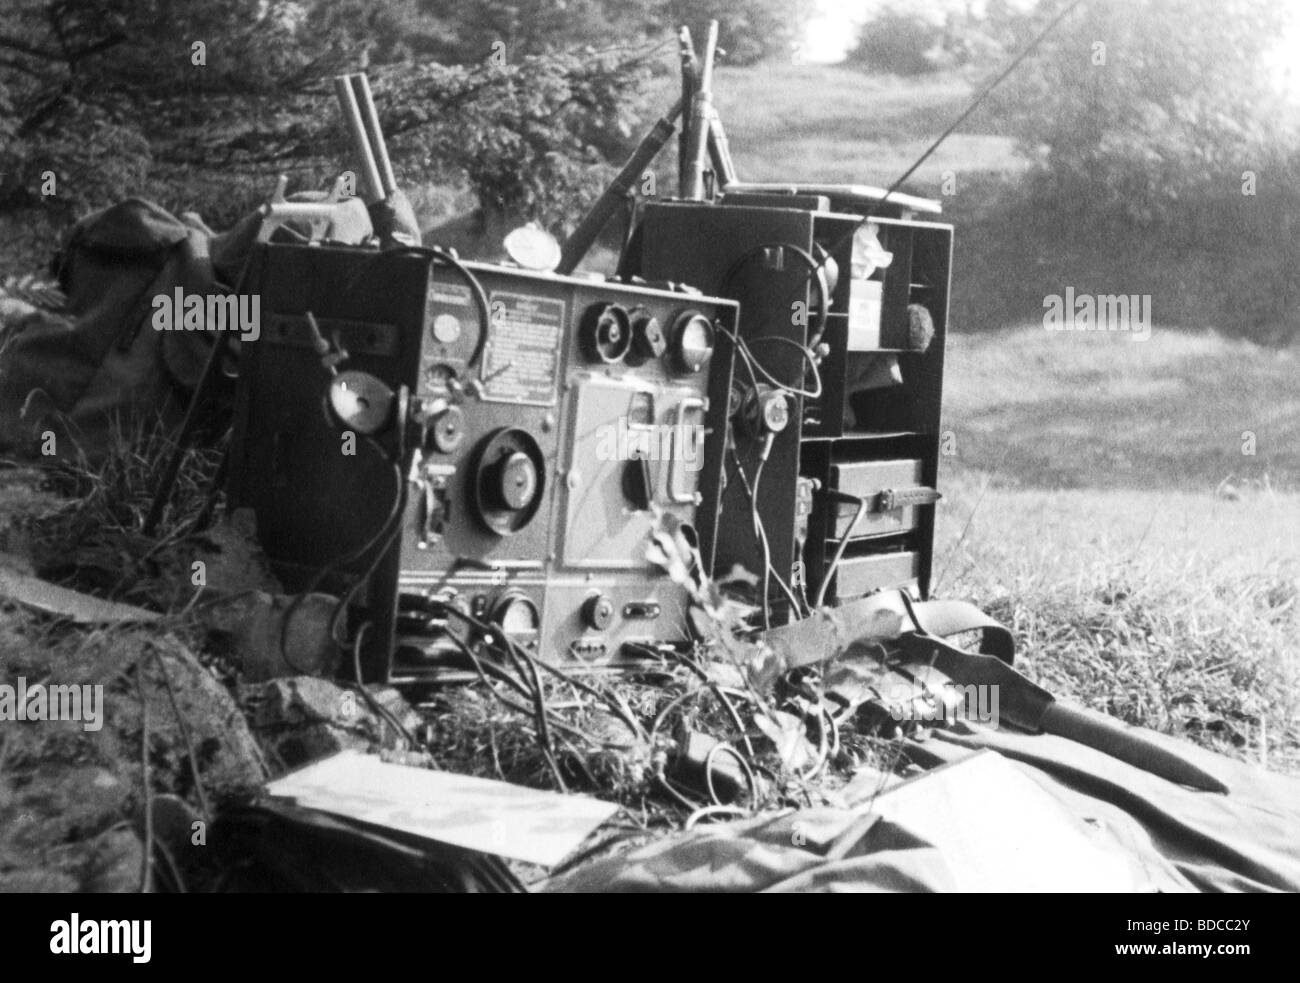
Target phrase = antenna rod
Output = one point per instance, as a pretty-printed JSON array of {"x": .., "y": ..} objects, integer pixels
[{"x": 974, "y": 104}]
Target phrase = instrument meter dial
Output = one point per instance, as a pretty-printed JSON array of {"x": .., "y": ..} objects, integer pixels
[
  {"x": 516, "y": 615},
  {"x": 692, "y": 341},
  {"x": 446, "y": 328}
]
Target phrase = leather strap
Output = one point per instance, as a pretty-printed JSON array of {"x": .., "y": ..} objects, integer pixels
[
  {"x": 946, "y": 618},
  {"x": 829, "y": 631}
]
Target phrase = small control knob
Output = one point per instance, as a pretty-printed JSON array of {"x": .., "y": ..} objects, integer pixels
[
  {"x": 774, "y": 411},
  {"x": 598, "y": 612},
  {"x": 448, "y": 429},
  {"x": 648, "y": 339}
]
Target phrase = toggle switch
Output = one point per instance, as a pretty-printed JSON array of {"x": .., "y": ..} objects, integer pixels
[{"x": 638, "y": 485}]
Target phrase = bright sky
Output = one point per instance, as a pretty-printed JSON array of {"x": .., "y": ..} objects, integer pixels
[{"x": 834, "y": 29}]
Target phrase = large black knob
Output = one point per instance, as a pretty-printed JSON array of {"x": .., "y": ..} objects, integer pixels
[
  {"x": 605, "y": 333},
  {"x": 506, "y": 483}
]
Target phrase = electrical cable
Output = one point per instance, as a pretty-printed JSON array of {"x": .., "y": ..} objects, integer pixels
[
  {"x": 346, "y": 558},
  {"x": 445, "y": 256},
  {"x": 762, "y": 531},
  {"x": 863, "y": 504},
  {"x": 744, "y": 767},
  {"x": 621, "y": 711},
  {"x": 448, "y": 258},
  {"x": 815, "y": 268},
  {"x": 809, "y": 355},
  {"x": 730, "y": 707},
  {"x": 377, "y": 708},
  {"x": 751, "y": 363},
  {"x": 682, "y": 800},
  {"x": 541, "y": 712},
  {"x": 806, "y": 350},
  {"x": 385, "y": 539}
]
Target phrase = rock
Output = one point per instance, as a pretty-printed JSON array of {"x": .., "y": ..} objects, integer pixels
[
  {"x": 225, "y": 560},
  {"x": 113, "y": 861},
  {"x": 229, "y": 759},
  {"x": 233, "y": 559},
  {"x": 303, "y": 718},
  {"x": 251, "y": 627},
  {"x": 35, "y": 880},
  {"x": 25, "y": 498},
  {"x": 68, "y": 794}
]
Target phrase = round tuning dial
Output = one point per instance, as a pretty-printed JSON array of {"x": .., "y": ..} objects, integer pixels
[
  {"x": 506, "y": 484},
  {"x": 605, "y": 333},
  {"x": 692, "y": 342},
  {"x": 648, "y": 340}
]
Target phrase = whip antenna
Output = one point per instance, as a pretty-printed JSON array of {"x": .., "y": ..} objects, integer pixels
[{"x": 965, "y": 114}]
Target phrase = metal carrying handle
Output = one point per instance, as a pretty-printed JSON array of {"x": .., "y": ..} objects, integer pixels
[{"x": 676, "y": 464}]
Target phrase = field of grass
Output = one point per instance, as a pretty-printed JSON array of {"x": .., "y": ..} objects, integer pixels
[
  {"x": 1052, "y": 409},
  {"x": 1172, "y": 610},
  {"x": 826, "y": 123},
  {"x": 1099, "y": 504}
]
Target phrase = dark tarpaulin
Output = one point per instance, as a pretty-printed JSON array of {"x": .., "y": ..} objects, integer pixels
[{"x": 1007, "y": 811}]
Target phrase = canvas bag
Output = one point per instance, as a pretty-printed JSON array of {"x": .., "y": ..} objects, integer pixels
[{"x": 102, "y": 365}]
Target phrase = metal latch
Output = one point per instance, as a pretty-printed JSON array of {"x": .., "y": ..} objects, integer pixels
[{"x": 890, "y": 500}]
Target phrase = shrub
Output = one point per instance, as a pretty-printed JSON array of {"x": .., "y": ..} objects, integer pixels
[
  {"x": 1132, "y": 111},
  {"x": 897, "y": 43}
]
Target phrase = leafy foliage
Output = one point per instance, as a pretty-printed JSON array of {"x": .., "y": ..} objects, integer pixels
[
  {"x": 748, "y": 30},
  {"x": 533, "y": 136},
  {"x": 115, "y": 99},
  {"x": 898, "y": 43},
  {"x": 1134, "y": 108}
]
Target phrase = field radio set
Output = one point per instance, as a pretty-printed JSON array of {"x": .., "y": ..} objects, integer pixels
[
  {"x": 525, "y": 432},
  {"x": 843, "y": 319},
  {"x": 455, "y": 448}
]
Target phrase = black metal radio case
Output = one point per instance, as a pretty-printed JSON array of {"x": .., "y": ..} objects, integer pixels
[{"x": 534, "y": 461}]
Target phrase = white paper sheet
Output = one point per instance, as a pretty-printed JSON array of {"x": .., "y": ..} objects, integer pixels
[{"x": 474, "y": 813}]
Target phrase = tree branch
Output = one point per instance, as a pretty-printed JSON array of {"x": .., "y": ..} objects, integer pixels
[{"x": 13, "y": 44}]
